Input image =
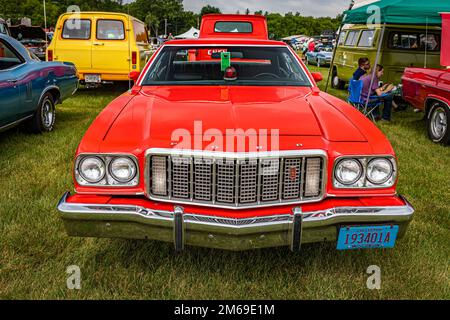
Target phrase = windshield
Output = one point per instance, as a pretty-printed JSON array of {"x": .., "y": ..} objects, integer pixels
[{"x": 263, "y": 66}]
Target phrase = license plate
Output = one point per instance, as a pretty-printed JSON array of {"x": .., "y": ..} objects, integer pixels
[
  {"x": 92, "y": 78},
  {"x": 367, "y": 237}
]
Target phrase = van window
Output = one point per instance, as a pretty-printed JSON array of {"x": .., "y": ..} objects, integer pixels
[
  {"x": 140, "y": 32},
  {"x": 352, "y": 38},
  {"x": 110, "y": 30},
  {"x": 236, "y": 26},
  {"x": 413, "y": 41},
  {"x": 8, "y": 57},
  {"x": 342, "y": 38},
  {"x": 77, "y": 29},
  {"x": 367, "y": 38}
]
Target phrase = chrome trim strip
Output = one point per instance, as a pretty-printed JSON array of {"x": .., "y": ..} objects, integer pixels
[
  {"x": 15, "y": 123},
  {"x": 193, "y": 221},
  {"x": 237, "y": 156}
]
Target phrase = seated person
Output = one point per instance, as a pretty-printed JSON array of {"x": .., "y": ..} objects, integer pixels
[
  {"x": 377, "y": 94},
  {"x": 363, "y": 67}
]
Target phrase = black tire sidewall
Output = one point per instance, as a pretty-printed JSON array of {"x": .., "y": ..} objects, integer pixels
[
  {"x": 446, "y": 138},
  {"x": 38, "y": 124}
]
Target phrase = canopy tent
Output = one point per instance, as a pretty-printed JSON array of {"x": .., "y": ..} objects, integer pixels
[
  {"x": 413, "y": 12},
  {"x": 192, "y": 33}
]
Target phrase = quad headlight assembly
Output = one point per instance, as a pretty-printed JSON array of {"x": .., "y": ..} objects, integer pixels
[
  {"x": 107, "y": 170},
  {"x": 364, "y": 172}
]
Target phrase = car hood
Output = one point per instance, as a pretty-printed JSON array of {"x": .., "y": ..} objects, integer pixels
[{"x": 156, "y": 113}]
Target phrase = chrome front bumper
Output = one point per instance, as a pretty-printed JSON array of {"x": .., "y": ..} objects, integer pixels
[{"x": 183, "y": 228}]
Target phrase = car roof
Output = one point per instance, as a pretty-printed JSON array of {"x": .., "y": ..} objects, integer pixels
[
  {"x": 226, "y": 41},
  {"x": 17, "y": 46}
]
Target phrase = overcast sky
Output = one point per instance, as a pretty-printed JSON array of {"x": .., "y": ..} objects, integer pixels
[{"x": 316, "y": 8}]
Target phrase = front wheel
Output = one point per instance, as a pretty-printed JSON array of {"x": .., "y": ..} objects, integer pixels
[
  {"x": 438, "y": 120},
  {"x": 337, "y": 83},
  {"x": 45, "y": 115}
]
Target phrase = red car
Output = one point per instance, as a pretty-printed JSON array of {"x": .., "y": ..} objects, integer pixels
[
  {"x": 226, "y": 141},
  {"x": 429, "y": 90}
]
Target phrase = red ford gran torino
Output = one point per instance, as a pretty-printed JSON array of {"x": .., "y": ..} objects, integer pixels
[{"x": 226, "y": 141}]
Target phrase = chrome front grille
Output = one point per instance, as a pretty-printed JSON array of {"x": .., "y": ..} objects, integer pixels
[{"x": 235, "y": 180}]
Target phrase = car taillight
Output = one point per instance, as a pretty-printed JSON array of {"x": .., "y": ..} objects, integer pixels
[
  {"x": 134, "y": 57},
  {"x": 49, "y": 55}
]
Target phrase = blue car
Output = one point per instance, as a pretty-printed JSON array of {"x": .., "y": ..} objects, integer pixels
[
  {"x": 320, "y": 57},
  {"x": 30, "y": 88}
]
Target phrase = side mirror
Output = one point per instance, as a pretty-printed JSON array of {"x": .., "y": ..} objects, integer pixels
[
  {"x": 134, "y": 75},
  {"x": 317, "y": 76}
]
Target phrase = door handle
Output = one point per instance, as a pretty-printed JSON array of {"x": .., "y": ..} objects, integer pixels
[
  {"x": 12, "y": 81},
  {"x": 98, "y": 43}
]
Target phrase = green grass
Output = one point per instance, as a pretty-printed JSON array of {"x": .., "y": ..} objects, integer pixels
[{"x": 35, "y": 171}]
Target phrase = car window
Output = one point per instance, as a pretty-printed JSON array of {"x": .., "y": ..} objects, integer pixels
[
  {"x": 8, "y": 57},
  {"x": 110, "y": 30},
  {"x": 413, "y": 41},
  {"x": 233, "y": 26},
  {"x": 140, "y": 32},
  {"x": 78, "y": 29},
  {"x": 352, "y": 38},
  {"x": 270, "y": 66},
  {"x": 342, "y": 37},
  {"x": 367, "y": 38},
  {"x": 3, "y": 28}
]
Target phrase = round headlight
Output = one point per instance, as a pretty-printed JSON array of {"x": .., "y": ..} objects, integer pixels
[
  {"x": 379, "y": 170},
  {"x": 348, "y": 171},
  {"x": 122, "y": 169},
  {"x": 92, "y": 169}
]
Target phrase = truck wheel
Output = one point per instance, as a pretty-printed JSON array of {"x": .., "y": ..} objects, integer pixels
[
  {"x": 337, "y": 83},
  {"x": 45, "y": 115},
  {"x": 438, "y": 120}
]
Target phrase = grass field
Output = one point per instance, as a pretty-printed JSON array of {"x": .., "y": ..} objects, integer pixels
[{"x": 35, "y": 171}]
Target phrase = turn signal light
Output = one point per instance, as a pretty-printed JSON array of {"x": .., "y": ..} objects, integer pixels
[
  {"x": 134, "y": 57},
  {"x": 50, "y": 55}
]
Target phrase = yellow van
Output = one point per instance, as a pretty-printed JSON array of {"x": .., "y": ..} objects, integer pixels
[{"x": 104, "y": 46}]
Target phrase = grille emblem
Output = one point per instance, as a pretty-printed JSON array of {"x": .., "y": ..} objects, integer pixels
[{"x": 293, "y": 173}]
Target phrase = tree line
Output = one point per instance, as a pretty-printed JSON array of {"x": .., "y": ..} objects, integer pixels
[{"x": 162, "y": 15}]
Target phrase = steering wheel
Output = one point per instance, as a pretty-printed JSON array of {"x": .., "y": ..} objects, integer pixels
[{"x": 265, "y": 74}]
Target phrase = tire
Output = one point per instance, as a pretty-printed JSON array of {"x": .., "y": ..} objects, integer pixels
[
  {"x": 437, "y": 123},
  {"x": 337, "y": 83},
  {"x": 45, "y": 115}
]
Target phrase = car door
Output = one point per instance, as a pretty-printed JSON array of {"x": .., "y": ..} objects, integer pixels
[
  {"x": 74, "y": 43},
  {"x": 110, "y": 50},
  {"x": 10, "y": 84}
]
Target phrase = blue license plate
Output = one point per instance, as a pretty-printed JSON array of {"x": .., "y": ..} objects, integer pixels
[{"x": 367, "y": 237}]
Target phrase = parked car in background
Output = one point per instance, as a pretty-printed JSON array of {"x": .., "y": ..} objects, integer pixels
[
  {"x": 30, "y": 88},
  {"x": 33, "y": 38},
  {"x": 104, "y": 46},
  {"x": 321, "y": 56},
  {"x": 226, "y": 141},
  {"x": 403, "y": 46},
  {"x": 429, "y": 90},
  {"x": 4, "y": 29}
]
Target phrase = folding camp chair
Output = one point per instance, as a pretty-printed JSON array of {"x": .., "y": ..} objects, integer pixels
[{"x": 355, "y": 88}]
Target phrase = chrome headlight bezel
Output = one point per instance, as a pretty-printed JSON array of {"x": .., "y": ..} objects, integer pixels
[
  {"x": 108, "y": 180},
  {"x": 357, "y": 178},
  {"x": 364, "y": 182}
]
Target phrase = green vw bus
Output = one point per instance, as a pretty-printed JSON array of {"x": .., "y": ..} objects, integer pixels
[{"x": 403, "y": 46}]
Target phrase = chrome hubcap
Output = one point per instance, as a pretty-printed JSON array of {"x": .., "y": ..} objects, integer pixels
[
  {"x": 48, "y": 114},
  {"x": 439, "y": 123}
]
